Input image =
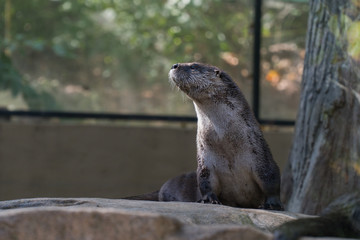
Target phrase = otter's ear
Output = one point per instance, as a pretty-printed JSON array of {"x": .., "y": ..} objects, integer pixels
[{"x": 218, "y": 73}]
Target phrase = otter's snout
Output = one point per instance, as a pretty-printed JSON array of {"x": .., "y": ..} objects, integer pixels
[{"x": 175, "y": 66}]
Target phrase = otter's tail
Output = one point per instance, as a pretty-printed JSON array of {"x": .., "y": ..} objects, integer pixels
[{"x": 154, "y": 196}]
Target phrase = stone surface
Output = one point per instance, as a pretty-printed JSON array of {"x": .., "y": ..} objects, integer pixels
[
  {"x": 187, "y": 213},
  {"x": 86, "y": 218}
]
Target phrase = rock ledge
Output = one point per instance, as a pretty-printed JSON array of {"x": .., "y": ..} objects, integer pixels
[{"x": 90, "y": 218}]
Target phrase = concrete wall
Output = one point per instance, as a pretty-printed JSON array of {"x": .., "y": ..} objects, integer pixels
[{"x": 57, "y": 160}]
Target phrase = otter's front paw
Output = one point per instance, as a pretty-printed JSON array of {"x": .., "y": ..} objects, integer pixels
[
  {"x": 210, "y": 198},
  {"x": 273, "y": 203}
]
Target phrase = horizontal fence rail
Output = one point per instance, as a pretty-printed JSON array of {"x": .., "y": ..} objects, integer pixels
[
  {"x": 105, "y": 116},
  {"x": 117, "y": 116}
]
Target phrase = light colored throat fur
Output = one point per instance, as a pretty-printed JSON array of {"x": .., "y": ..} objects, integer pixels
[{"x": 217, "y": 116}]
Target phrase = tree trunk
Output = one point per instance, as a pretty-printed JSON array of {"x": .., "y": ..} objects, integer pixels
[{"x": 324, "y": 161}]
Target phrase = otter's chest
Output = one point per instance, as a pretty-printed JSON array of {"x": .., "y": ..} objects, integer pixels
[{"x": 224, "y": 147}]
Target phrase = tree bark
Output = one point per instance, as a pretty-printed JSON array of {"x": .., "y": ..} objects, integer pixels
[{"x": 325, "y": 158}]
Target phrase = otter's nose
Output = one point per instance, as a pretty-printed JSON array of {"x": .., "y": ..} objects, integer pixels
[{"x": 175, "y": 66}]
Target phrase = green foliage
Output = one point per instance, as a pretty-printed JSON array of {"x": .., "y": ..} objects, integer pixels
[
  {"x": 106, "y": 50},
  {"x": 10, "y": 79}
]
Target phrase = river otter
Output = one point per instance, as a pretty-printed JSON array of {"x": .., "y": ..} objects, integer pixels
[{"x": 235, "y": 166}]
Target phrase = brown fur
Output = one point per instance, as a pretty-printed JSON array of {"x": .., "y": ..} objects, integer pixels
[{"x": 235, "y": 165}]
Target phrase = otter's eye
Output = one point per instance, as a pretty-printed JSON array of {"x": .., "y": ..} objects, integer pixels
[
  {"x": 217, "y": 73},
  {"x": 194, "y": 66}
]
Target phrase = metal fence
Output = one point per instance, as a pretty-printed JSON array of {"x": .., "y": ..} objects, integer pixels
[{"x": 141, "y": 117}]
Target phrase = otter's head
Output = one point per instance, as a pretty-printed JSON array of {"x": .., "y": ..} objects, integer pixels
[{"x": 201, "y": 82}]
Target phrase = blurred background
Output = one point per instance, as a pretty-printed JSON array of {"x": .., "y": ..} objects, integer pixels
[{"x": 113, "y": 57}]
